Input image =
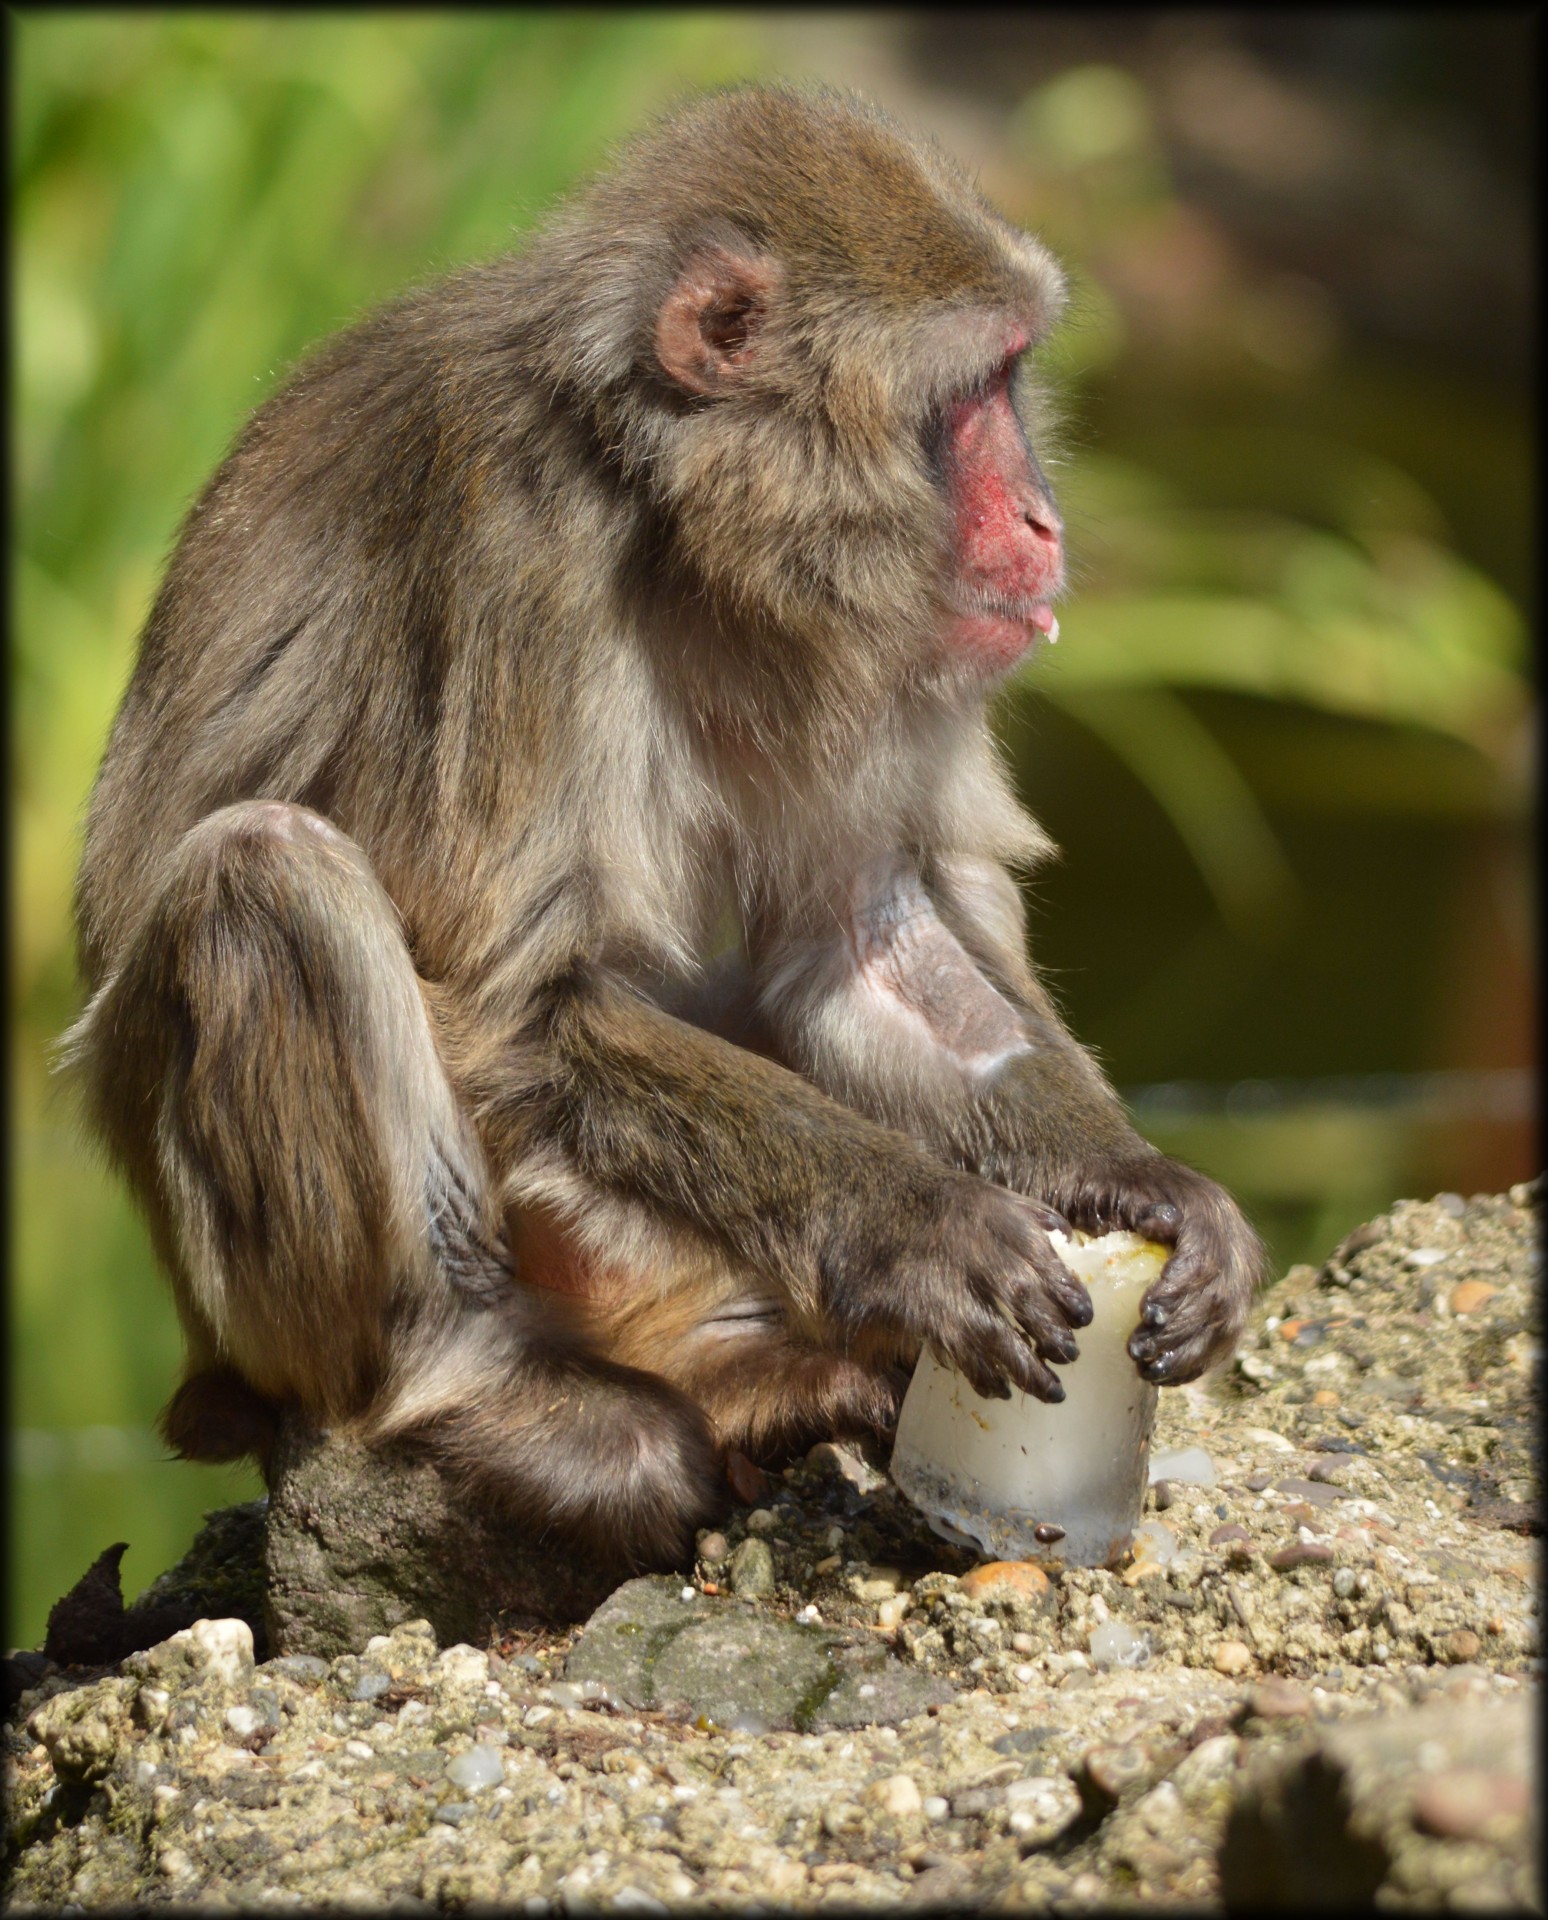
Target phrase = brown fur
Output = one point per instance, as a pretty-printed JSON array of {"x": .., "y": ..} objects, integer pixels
[{"x": 546, "y": 629}]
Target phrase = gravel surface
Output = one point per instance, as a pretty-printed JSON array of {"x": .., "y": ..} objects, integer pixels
[{"x": 1334, "y": 1583}]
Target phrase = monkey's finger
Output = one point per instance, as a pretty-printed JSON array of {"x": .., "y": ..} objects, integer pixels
[
  {"x": 1186, "y": 1361},
  {"x": 1200, "y": 1254},
  {"x": 1025, "y": 1370},
  {"x": 1161, "y": 1220},
  {"x": 1046, "y": 1217},
  {"x": 1068, "y": 1294},
  {"x": 1204, "y": 1322},
  {"x": 1042, "y": 1319}
]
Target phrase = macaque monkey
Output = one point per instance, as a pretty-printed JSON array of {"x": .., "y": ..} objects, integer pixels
[{"x": 557, "y": 988}]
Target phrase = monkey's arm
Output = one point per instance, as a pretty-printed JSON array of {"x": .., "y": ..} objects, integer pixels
[
  {"x": 875, "y": 1243},
  {"x": 927, "y": 1014}
]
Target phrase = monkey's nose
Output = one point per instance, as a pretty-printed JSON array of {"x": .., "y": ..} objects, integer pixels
[{"x": 1043, "y": 519}]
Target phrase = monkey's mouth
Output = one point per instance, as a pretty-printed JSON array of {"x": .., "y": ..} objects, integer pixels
[
  {"x": 1046, "y": 621},
  {"x": 991, "y": 632}
]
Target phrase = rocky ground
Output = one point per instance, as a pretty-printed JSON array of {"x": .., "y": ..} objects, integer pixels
[{"x": 1313, "y": 1684}]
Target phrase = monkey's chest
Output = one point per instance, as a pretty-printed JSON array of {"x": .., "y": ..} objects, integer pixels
[{"x": 907, "y": 971}]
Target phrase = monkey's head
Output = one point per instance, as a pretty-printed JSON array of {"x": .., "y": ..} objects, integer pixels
[{"x": 800, "y": 333}]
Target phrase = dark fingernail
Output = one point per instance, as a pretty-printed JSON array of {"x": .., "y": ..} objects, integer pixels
[
  {"x": 1079, "y": 1311},
  {"x": 1055, "y": 1394},
  {"x": 1165, "y": 1215},
  {"x": 1153, "y": 1314}
]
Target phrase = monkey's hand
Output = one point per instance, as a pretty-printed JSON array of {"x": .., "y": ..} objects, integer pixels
[
  {"x": 968, "y": 1269},
  {"x": 1194, "y": 1312}
]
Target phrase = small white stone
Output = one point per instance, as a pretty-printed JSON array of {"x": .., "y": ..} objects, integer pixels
[
  {"x": 934, "y": 1807},
  {"x": 358, "y": 1750},
  {"x": 376, "y": 1642},
  {"x": 808, "y": 1616},
  {"x": 480, "y": 1767},
  {"x": 1116, "y": 1644},
  {"x": 687, "y": 1593},
  {"x": 462, "y": 1666},
  {"x": 1187, "y": 1466},
  {"x": 762, "y": 1520},
  {"x": 243, "y": 1720},
  {"x": 897, "y": 1795},
  {"x": 227, "y": 1648}
]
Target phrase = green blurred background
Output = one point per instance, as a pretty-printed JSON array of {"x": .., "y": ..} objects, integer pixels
[{"x": 1284, "y": 742}]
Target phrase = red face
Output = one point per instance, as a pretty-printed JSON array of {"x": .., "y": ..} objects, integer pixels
[{"x": 1009, "y": 537}]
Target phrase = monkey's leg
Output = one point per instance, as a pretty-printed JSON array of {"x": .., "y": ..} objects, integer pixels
[
  {"x": 628, "y": 1124},
  {"x": 730, "y": 1347},
  {"x": 263, "y": 1062}
]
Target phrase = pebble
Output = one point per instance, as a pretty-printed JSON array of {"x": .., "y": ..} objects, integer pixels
[
  {"x": 762, "y": 1520},
  {"x": 1116, "y": 1644},
  {"x": 890, "y": 1612},
  {"x": 1189, "y": 1466},
  {"x": 875, "y": 1583},
  {"x": 1260, "y": 1481},
  {"x": 713, "y": 1548},
  {"x": 1019, "y": 1578},
  {"x": 452, "y": 1813},
  {"x": 1314, "y": 1492},
  {"x": 1275, "y": 1699},
  {"x": 1231, "y": 1657},
  {"x": 752, "y": 1569},
  {"x": 1467, "y": 1803},
  {"x": 371, "y": 1684},
  {"x": 897, "y": 1796},
  {"x": 480, "y": 1767},
  {"x": 1023, "y": 1643},
  {"x": 935, "y": 1807},
  {"x": 1471, "y": 1295},
  {"x": 1301, "y": 1553},
  {"x": 1229, "y": 1535},
  {"x": 1459, "y": 1647},
  {"x": 1041, "y": 1807},
  {"x": 1155, "y": 1541},
  {"x": 462, "y": 1666},
  {"x": 243, "y": 1720},
  {"x": 1114, "y": 1769}
]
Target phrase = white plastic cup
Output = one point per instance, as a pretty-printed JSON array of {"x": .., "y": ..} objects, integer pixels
[{"x": 993, "y": 1472}]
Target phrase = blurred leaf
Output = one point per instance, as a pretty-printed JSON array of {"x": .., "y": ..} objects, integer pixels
[{"x": 1202, "y": 793}]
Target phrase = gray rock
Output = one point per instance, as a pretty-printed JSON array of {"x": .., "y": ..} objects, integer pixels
[
  {"x": 732, "y": 1664},
  {"x": 360, "y": 1540},
  {"x": 752, "y": 1569}
]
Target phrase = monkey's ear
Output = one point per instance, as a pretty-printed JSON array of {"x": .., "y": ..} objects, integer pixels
[{"x": 709, "y": 324}]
